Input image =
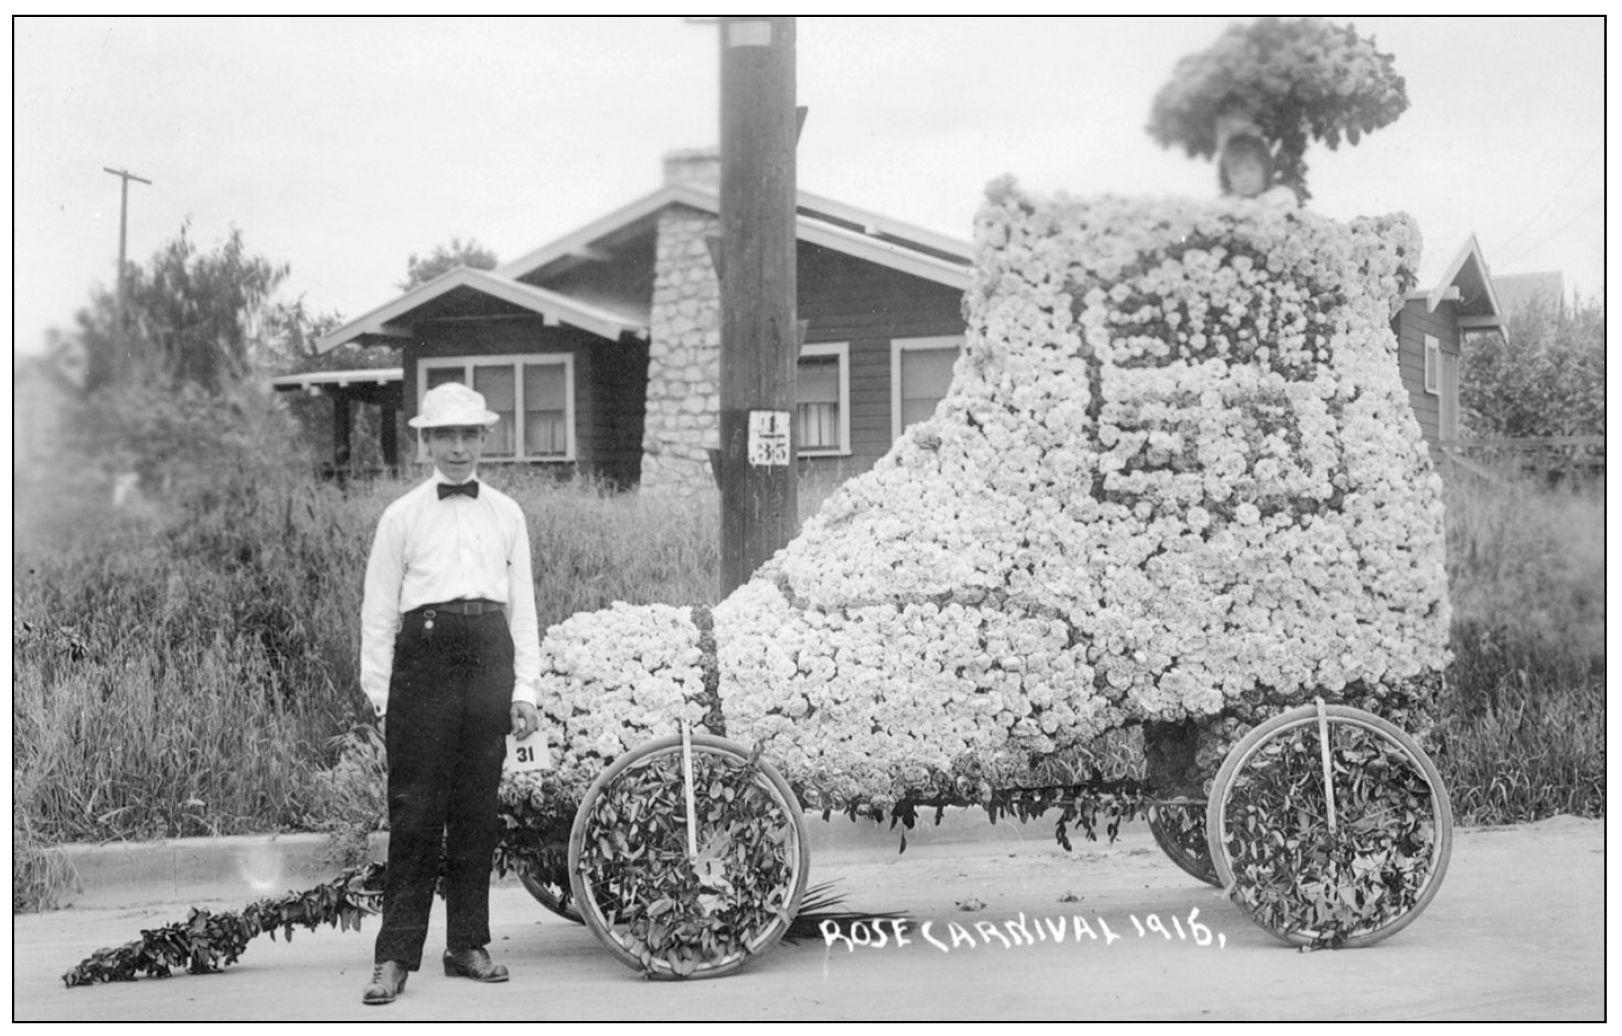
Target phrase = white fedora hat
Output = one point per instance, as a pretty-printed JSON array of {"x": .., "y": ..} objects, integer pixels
[{"x": 452, "y": 405}]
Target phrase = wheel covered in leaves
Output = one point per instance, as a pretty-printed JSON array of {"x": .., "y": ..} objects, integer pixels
[
  {"x": 551, "y": 893},
  {"x": 1312, "y": 883},
  {"x": 656, "y": 909},
  {"x": 1179, "y": 830}
]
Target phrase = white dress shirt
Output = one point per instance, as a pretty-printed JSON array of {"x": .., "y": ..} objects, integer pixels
[{"x": 429, "y": 550}]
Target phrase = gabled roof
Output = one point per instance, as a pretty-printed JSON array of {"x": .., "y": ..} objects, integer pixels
[
  {"x": 1468, "y": 283},
  {"x": 1468, "y": 272},
  {"x": 392, "y": 319},
  {"x": 821, "y": 221},
  {"x": 818, "y": 220}
]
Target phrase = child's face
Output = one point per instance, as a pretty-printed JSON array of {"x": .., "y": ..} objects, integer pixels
[
  {"x": 1247, "y": 175},
  {"x": 455, "y": 450}
]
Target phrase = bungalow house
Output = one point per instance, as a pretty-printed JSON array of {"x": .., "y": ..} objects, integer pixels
[{"x": 600, "y": 350}]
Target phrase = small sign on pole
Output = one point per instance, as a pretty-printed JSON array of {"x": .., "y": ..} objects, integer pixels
[{"x": 768, "y": 437}]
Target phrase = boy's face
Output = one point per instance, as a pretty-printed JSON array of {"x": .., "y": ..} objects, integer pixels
[{"x": 455, "y": 450}]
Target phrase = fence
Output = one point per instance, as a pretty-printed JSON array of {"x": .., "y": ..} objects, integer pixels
[{"x": 1577, "y": 460}]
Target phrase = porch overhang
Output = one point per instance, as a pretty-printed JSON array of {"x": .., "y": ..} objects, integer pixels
[
  {"x": 361, "y": 384},
  {"x": 395, "y": 320}
]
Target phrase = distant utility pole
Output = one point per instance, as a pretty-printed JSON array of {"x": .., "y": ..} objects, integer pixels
[
  {"x": 120, "y": 339},
  {"x": 759, "y": 330}
]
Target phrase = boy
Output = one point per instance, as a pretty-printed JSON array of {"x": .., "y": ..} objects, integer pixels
[{"x": 450, "y": 656}]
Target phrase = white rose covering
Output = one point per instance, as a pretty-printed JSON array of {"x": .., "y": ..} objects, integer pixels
[{"x": 1176, "y": 476}]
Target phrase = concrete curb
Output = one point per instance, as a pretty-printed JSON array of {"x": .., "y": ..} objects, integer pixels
[{"x": 253, "y": 866}]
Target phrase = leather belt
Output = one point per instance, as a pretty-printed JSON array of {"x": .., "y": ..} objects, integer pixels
[{"x": 480, "y": 607}]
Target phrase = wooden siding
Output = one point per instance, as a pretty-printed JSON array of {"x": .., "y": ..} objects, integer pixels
[
  {"x": 1411, "y": 325},
  {"x": 851, "y": 300},
  {"x": 619, "y": 391}
]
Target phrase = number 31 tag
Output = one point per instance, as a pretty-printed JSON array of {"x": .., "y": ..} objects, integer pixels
[{"x": 528, "y": 754}]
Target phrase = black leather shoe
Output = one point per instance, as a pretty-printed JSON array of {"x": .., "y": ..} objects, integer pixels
[
  {"x": 474, "y": 964},
  {"x": 388, "y": 982}
]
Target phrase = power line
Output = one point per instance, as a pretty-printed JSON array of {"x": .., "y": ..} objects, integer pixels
[
  {"x": 1556, "y": 233},
  {"x": 1552, "y": 198}
]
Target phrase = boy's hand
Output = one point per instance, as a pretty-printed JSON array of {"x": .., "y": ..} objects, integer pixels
[{"x": 526, "y": 720}]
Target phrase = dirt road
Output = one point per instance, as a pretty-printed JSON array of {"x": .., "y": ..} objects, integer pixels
[{"x": 1517, "y": 931}]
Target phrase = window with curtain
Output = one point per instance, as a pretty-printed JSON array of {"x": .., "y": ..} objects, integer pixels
[
  {"x": 546, "y": 398},
  {"x": 926, "y": 374},
  {"x": 920, "y": 376},
  {"x": 817, "y": 409},
  {"x": 500, "y": 392},
  {"x": 530, "y": 396}
]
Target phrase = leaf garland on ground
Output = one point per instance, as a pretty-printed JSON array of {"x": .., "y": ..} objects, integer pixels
[
  {"x": 207, "y": 942},
  {"x": 536, "y": 838}
]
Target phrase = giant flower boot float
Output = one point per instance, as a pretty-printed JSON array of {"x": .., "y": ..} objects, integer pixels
[{"x": 1176, "y": 485}]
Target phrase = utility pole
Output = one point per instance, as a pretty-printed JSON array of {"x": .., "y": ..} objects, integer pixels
[
  {"x": 759, "y": 330},
  {"x": 120, "y": 339}
]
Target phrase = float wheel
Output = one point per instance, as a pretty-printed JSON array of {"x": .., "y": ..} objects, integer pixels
[
  {"x": 656, "y": 907},
  {"x": 1342, "y": 864}
]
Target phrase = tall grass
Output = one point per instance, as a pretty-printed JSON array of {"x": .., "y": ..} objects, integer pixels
[
  {"x": 1523, "y": 718},
  {"x": 191, "y": 668}
]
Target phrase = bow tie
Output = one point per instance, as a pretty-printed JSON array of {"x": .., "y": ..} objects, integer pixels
[{"x": 470, "y": 488}]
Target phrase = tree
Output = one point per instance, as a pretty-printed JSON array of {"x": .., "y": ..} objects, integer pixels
[
  {"x": 1544, "y": 376},
  {"x": 445, "y": 258},
  {"x": 198, "y": 317},
  {"x": 1287, "y": 80},
  {"x": 174, "y": 398}
]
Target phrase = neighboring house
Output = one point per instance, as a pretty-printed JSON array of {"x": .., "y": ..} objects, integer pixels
[
  {"x": 1520, "y": 290},
  {"x": 601, "y": 349},
  {"x": 1432, "y": 326}
]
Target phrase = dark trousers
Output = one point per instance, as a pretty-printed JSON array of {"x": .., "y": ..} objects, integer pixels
[{"x": 447, "y": 719}]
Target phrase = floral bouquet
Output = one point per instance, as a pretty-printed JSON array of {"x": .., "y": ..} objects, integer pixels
[{"x": 1176, "y": 480}]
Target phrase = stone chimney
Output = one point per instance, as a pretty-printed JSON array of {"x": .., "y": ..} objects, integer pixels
[
  {"x": 700, "y": 165},
  {"x": 684, "y": 349}
]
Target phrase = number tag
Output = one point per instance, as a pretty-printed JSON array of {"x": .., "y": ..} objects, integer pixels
[
  {"x": 528, "y": 754},
  {"x": 768, "y": 437}
]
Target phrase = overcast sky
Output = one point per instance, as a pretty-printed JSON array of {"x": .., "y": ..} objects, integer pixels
[{"x": 341, "y": 146}]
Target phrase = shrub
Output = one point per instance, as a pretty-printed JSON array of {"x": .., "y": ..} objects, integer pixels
[{"x": 1545, "y": 376}]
